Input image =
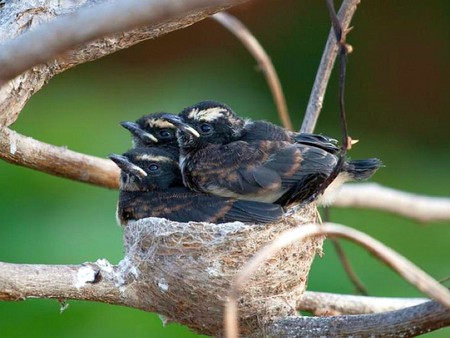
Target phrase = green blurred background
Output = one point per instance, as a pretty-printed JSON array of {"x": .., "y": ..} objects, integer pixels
[{"x": 397, "y": 105}]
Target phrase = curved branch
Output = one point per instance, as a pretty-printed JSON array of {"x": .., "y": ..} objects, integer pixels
[
  {"x": 331, "y": 304},
  {"x": 375, "y": 196},
  {"x": 59, "y": 161},
  {"x": 315, "y": 103},
  {"x": 265, "y": 64},
  {"x": 401, "y": 265},
  {"x": 49, "y": 40},
  {"x": 40, "y": 36},
  {"x": 408, "y": 322}
]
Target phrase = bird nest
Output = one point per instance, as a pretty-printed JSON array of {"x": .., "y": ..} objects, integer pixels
[{"x": 184, "y": 270}]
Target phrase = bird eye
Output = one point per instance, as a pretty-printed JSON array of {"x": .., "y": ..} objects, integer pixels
[
  {"x": 206, "y": 128},
  {"x": 153, "y": 167},
  {"x": 165, "y": 133}
]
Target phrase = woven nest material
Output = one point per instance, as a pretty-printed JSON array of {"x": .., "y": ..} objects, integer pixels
[{"x": 184, "y": 270}]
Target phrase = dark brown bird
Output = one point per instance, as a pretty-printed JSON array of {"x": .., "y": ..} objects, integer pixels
[
  {"x": 153, "y": 131},
  {"x": 232, "y": 157},
  {"x": 151, "y": 186}
]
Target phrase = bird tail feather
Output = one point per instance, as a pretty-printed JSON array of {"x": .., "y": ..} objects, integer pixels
[{"x": 360, "y": 170}]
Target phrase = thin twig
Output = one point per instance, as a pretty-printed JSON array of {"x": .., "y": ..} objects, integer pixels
[
  {"x": 331, "y": 304},
  {"x": 315, "y": 103},
  {"x": 265, "y": 64},
  {"x": 47, "y": 41},
  {"x": 374, "y": 196},
  {"x": 356, "y": 281},
  {"x": 340, "y": 41},
  {"x": 59, "y": 161},
  {"x": 401, "y": 265}
]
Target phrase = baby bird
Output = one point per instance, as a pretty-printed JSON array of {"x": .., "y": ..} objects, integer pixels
[
  {"x": 225, "y": 155},
  {"x": 151, "y": 186}
]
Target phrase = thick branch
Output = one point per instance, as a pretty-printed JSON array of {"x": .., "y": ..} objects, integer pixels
[
  {"x": 102, "y": 282},
  {"x": 59, "y": 161},
  {"x": 408, "y": 322},
  {"x": 89, "y": 281},
  {"x": 38, "y": 46},
  {"x": 331, "y": 304},
  {"x": 315, "y": 103},
  {"x": 375, "y": 196},
  {"x": 17, "y": 17}
]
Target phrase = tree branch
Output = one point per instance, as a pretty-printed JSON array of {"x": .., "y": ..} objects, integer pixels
[
  {"x": 42, "y": 39},
  {"x": 408, "y": 322},
  {"x": 59, "y": 161},
  {"x": 265, "y": 64},
  {"x": 89, "y": 281},
  {"x": 102, "y": 282},
  {"x": 38, "y": 46},
  {"x": 375, "y": 196},
  {"x": 331, "y": 304},
  {"x": 330, "y": 53}
]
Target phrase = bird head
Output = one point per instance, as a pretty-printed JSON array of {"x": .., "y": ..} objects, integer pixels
[
  {"x": 152, "y": 130},
  {"x": 207, "y": 122},
  {"x": 147, "y": 169}
]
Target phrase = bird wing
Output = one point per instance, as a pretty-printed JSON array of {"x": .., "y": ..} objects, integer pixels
[
  {"x": 317, "y": 164},
  {"x": 265, "y": 171}
]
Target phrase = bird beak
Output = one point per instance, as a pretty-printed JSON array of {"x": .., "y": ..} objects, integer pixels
[
  {"x": 177, "y": 122},
  {"x": 125, "y": 165},
  {"x": 134, "y": 129}
]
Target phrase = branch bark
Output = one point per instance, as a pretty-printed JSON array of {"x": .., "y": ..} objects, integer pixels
[
  {"x": 59, "y": 161},
  {"x": 409, "y": 322},
  {"x": 330, "y": 53},
  {"x": 331, "y": 304},
  {"x": 89, "y": 281}
]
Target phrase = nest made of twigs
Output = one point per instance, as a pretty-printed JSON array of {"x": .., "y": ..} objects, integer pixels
[{"x": 184, "y": 270}]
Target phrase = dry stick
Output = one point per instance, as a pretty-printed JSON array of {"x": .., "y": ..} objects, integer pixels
[
  {"x": 401, "y": 265},
  {"x": 360, "y": 288},
  {"x": 59, "y": 161},
  {"x": 315, "y": 103},
  {"x": 47, "y": 41},
  {"x": 327, "y": 304},
  {"x": 265, "y": 64},
  {"x": 356, "y": 281},
  {"x": 375, "y": 196}
]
